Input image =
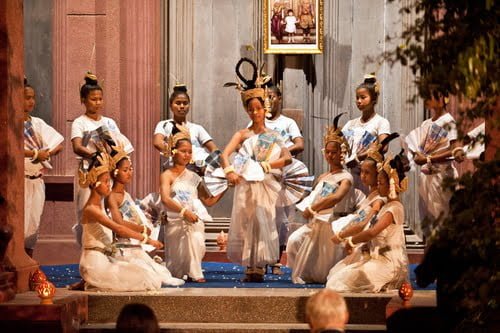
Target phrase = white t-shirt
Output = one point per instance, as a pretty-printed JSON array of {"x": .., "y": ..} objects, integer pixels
[
  {"x": 376, "y": 126},
  {"x": 286, "y": 127},
  {"x": 46, "y": 137},
  {"x": 199, "y": 136},
  {"x": 447, "y": 122},
  {"x": 84, "y": 124}
]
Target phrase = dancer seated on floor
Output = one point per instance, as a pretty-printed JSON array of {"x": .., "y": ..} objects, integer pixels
[
  {"x": 182, "y": 193},
  {"x": 124, "y": 211},
  {"x": 310, "y": 253},
  {"x": 100, "y": 263},
  {"x": 386, "y": 267},
  {"x": 368, "y": 209},
  {"x": 253, "y": 238}
]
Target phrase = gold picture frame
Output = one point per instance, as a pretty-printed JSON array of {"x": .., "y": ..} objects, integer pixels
[{"x": 293, "y": 26}]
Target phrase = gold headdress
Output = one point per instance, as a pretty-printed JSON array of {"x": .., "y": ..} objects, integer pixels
[
  {"x": 395, "y": 169},
  {"x": 86, "y": 178},
  {"x": 173, "y": 139},
  {"x": 256, "y": 87},
  {"x": 376, "y": 150},
  {"x": 118, "y": 153},
  {"x": 334, "y": 134}
]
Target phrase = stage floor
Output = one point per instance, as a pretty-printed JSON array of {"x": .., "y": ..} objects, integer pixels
[{"x": 218, "y": 275}]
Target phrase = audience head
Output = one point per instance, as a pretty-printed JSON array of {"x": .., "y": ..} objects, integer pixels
[
  {"x": 326, "y": 310},
  {"x": 137, "y": 318}
]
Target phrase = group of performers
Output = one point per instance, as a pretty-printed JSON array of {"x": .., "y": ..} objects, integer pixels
[{"x": 352, "y": 236}]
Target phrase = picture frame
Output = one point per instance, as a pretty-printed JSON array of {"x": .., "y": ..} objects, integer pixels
[{"x": 293, "y": 26}]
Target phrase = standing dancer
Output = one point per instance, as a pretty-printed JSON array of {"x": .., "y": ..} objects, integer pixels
[
  {"x": 100, "y": 264},
  {"x": 438, "y": 137},
  {"x": 310, "y": 252},
  {"x": 182, "y": 193},
  {"x": 253, "y": 238},
  {"x": 41, "y": 142},
  {"x": 91, "y": 132},
  {"x": 201, "y": 141},
  {"x": 362, "y": 131},
  {"x": 387, "y": 265}
]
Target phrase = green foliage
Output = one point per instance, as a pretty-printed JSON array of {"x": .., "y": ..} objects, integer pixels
[{"x": 453, "y": 46}]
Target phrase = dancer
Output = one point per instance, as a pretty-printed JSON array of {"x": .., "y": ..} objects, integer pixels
[
  {"x": 41, "y": 142},
  {"x": 89, "y": 133},
  {"x": 437, "y": 140},
  {"x": 387, "y": 265},
  {"x": 288, "y": 129},
  {"x": 201, "y": 141},
  {"x": 310, "y": 252},
  {"x": 183, "y": 194},
  {"x": 368, "y": 209},
  {"x": 253, "y": 238},
  {"x": 124, "y": 211},
  {"x": 362, "y": 131},
  {"x": 100, "y": 264}
]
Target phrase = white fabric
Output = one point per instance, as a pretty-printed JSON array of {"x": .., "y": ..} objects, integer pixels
[
  {"x": 379, "y": 270},
  {"x": 310, "y": 251},
  {"x": 185, "y": 241},
  {"x": 199, "y": 136},
  {"x": 34, "y": 189},
  {"x": 253, "y": 238},
  {"x": 34, "y": 200},
  {"x": 113, "y": 273},
  {"x": 80, "y": 126},
  {"x": 376, "y": 126},
  {"x": 434, "y": 199},
  {"x": 49, "y": 139},
  {"x": 290, "y": 24},
  {"x": 286, "y": 127}
]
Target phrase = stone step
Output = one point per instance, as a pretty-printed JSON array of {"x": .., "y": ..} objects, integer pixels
[
  {"x": 232, "y": 305},
  {"x": 232, "y": 327}
]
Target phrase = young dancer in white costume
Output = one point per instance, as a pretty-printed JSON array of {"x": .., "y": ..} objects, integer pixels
[
  {"x": 310, "y": 252},
  {"x": 253, "y": 238},
  {"x": 367, "y": 128},
  {"x": 89, "y": 133},
  {"x": 41, "y": 142},
  {"x": 183, "y": 195},
  {"x": 101, "y": 264},
  {"x": 124, "y": 211},
  {"x": 386, "y": 265}
]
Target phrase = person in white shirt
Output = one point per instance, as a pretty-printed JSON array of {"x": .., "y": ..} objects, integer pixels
[
  {"x": 437, "y": 164},
  {"x": 362, "y": 131},
  {"x": 41, "y": 142},
  {"x": 288, "y": 129},
  {"x": 86, "y": 140},
  {"x": 200, "y": 139}
]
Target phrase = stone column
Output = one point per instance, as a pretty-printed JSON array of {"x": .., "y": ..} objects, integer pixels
[
  {"x": 11, "y": 151},
  {"x": 140, "y": 88}
]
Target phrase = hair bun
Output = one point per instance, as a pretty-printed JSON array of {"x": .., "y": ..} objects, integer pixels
[
  {"x": 180, "y": 87},
  {"x": 90, "y": 79},
  {"x": 370, "y": 78}
]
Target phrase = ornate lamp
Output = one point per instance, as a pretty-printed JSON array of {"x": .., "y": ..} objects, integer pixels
[
  {"x": 36, "y": 278},
  {"x": 406, "y": 293},
  {"x": 46, "y": 291}
]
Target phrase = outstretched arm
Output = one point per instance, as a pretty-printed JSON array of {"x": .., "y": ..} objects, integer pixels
[
  {"x": 112, "y": 204},
  {"x": 357, "y": 228},
  {"x": 165, "y": 189},
  {"x": 232, "y": 177}
]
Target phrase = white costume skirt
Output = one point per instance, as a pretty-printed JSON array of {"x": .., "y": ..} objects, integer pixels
[{"x": 34, "y": 200}]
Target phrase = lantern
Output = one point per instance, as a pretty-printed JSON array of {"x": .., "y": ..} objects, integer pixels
[{"x": 46, "y": 291}]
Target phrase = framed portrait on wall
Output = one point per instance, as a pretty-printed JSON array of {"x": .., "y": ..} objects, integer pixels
[{"x": 293, "y": 26}]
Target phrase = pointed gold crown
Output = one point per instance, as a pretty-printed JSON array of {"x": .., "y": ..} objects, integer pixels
[
  {"x": 396, "y": 185},
  {"x": 86, "y": 178},
  {"x": 172, "y": 140},
  {"x": 334, "y": 134},
  {"x": 119, "y": 155}
]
